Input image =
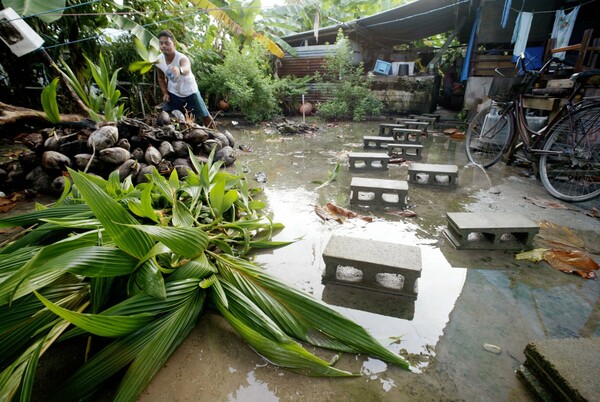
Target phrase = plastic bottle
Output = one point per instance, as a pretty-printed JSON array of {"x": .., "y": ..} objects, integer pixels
[{"x": 490, "y": 132}]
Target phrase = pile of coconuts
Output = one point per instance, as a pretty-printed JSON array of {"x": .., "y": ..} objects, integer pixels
[{"x": 131, "y": 146}]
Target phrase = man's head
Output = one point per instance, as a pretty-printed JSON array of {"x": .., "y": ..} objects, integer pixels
[{"x": 166, "y": 41}]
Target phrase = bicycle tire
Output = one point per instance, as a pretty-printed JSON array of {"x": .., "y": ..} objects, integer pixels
[
  {"x": 488, "y": 136},
  {"x": 572, "y": 173}
]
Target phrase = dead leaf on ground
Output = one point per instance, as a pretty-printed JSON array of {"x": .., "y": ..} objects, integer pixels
[
  {"x": 450, "y": 131},
  {"x": 405, "y": 214},
  {"x": 572, "y": 262},
  {"x": 554, "y": 236},
  {"x": 9, "y": 202},
  {"x": 594, "y": 213},
  {"x": 568, "y": 261},
  {"x": 458, "y": 135},
  {"x": 332, "y": 212},
  {"x": 548, "y": 203}
]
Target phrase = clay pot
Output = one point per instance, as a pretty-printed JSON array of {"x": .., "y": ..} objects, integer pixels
[
  {"x": 305, "y": 108},
  {"x": 223, "y": 105}
]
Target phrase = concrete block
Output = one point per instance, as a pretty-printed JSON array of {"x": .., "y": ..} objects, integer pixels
[
  {"x": 407, "y": 151},
  {"x": 368, "y": 161},
  {"x": 385, "y": 129},
  {"x": 562, "y": 369},
  {"x": 490, "y": 230},
  {"x": 364, "y": 263},
  {"x": 433, "y": 174},
  {"x": 407, "y": 135},
  {"x": 379, "y": 191},
  {"x": 376, "y": 142}
]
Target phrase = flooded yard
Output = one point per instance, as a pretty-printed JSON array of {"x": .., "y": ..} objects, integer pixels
[{"x": 475, "y": 311}]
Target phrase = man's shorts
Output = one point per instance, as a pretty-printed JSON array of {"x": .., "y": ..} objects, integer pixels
[{"x": 193, "y": 104}]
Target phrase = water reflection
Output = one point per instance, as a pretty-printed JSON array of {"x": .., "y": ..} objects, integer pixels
[{"x": 419, "y": 323}]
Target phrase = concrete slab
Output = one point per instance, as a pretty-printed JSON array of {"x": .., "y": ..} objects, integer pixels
[
  {"x": 562, "y": 369},
  {"x": 376, "y": 142},
  {"x": 365, "y": 263},
  {"x": 407, "y": 151}
]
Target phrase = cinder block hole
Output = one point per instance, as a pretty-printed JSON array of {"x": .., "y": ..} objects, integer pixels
[
  {"x": 360, "y": 164},
  {"x": 376, "y": 164},
  {"x": 366, "y": 196},
  {"x": 481, "y": 236},
  {"x": 411, "y": 152},
  {"x": 348, "y": 274},
  {"x": 390, "y": 281},
  {"x": 507, "y": 238},
  {"x": 390, "y": 197},
  {"x": 422, "y": 178},
  {"x": 416, "y": 287},
  {"x": 442, "y": 179}
]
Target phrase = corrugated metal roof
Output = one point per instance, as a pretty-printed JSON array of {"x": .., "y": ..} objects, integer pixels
[{"x": 410, "y": 22}]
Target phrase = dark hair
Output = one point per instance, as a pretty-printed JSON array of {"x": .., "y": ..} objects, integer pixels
[{"x": 168, "y": 34}]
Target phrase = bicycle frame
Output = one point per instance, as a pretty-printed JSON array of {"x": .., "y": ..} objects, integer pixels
[{"x": 533, "y": 141}]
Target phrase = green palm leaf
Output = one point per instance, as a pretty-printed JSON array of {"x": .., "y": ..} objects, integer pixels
[
  {"x": 114, "y": 217},
  {"x": 189, "y": 242},
  {"x": 109, "y": 326}
]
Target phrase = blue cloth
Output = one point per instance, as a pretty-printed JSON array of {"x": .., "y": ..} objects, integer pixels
[
  {"x": 464, "y": 74},
  {"x": 505, "y": 13},
  {"x": 193, "y": 104}
]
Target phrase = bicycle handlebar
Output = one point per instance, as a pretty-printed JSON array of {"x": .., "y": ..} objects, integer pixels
[{"x": 544, "y": 68}]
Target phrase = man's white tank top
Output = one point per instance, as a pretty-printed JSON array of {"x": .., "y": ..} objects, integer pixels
[{"x": 184, "y": 85}]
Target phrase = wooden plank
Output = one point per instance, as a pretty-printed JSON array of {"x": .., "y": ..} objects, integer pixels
[
  {"x": 541, "y": 103},
  {"x": 560, "y": 83}
]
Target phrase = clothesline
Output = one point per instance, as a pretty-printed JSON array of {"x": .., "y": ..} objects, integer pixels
[{"x": 553, "y": 11}]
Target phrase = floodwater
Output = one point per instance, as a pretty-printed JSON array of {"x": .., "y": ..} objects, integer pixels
[{"x": 466, "y": 299}]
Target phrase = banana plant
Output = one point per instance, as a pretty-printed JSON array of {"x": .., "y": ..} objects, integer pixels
[{"x": 131, "y": 268}]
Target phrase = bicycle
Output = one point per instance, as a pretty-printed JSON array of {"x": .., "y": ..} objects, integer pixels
[{"x": 567, "y": 149}]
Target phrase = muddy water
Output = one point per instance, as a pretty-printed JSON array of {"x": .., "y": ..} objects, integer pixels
[{"x": 465, "y": 298}]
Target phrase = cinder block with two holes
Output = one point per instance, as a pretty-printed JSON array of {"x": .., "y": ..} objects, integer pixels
[
  {"x": 368, "y": 161},
  {"x": 379, "y": 191},
  {"x": 365, "y": 263},
  {"x": 386, "y": 129},
  {"x": 406, "y": 151},
  {"x": 490, "y": 230},
  {"x": 433, "y": 174},
  {"x": 376, "y": 142},
  {"x": 407, "y": 135}
]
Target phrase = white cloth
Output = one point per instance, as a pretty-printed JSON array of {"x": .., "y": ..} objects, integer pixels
[
  {"x": 563, "y": 28},
  {"x": 521, "y": 32},
  {"x": 183, "y": 85}
]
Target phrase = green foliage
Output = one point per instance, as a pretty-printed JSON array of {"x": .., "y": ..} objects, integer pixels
[
  {"x": 104, "y": 104},
  {"x": 244, "y": 79},
  {"x": 99, "y": 261},
  {"x": 49, "y": 103},
  {"x": 349, "y": 86}
]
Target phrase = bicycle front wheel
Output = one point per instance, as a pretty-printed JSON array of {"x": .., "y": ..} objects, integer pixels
[
  {"x": 570, "y": 164},
  {"x": 488, "y": 136}
]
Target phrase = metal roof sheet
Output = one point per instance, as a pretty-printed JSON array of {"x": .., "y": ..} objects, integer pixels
[{"x": 410, "y": 22}]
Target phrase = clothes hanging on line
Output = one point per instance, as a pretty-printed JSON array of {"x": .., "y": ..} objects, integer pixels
[
  {"x": 563, "y": 28},
  {"x": 505, "y": 13},
  {"x": 521, "y": 32}
]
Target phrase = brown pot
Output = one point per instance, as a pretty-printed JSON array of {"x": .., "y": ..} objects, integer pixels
[
  {"x": 223, "y": 105},
  {"x": 305, "y": 108}
]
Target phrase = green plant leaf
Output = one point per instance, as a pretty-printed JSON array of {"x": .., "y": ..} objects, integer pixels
[
  {"x": 109, "y": 326},
  {"x": 49, "y": 103},
  {"x": 148, "y": 278},
  {"x": 186, "y": 241},
  {"x": 113, "y": 216},
  {"x": 40, "y": 9}
]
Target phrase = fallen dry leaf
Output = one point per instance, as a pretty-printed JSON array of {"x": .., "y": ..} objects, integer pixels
[
  {"x": 339, "y": 211},
  {"x": 458, "y": 135},
  {"x": 572, "y": 262},
  {"x": 9, "y": 202},
  {"x": 406, "y": 214},
  {"x": 548, "y": 203},
  {"x": 450, "y": 131},
  {"x": 594, "y": 213},
  {"x": 554, "y": 236}
]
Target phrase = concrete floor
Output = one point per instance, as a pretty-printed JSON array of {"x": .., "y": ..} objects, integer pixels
[{"x": 468, "y": 299}]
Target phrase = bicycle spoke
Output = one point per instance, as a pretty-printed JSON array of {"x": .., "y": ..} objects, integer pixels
[{"x": 571, "y": 169}]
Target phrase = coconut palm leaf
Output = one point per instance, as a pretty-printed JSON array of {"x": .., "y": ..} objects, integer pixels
[
  {"x": 112, "y": 326},
  {"x": 267, "y": 339},
  {"x": 188, "y": 242},
  {"x": 34, "y": 217},
  {"x": 114, "y": 217},
  {"x": 148, "y": 349},
  {"x": 303, "y": 316}
]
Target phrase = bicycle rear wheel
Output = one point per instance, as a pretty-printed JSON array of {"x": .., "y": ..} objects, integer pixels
[
  {"x": 570, "y": 166},
  {"x": 488, "y": 136}
]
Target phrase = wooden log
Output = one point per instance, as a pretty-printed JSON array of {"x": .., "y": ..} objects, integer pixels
[{"x": 12, "y": 114}]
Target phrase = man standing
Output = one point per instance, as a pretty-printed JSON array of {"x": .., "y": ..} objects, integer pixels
[{"x": 177, "y": 82}]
